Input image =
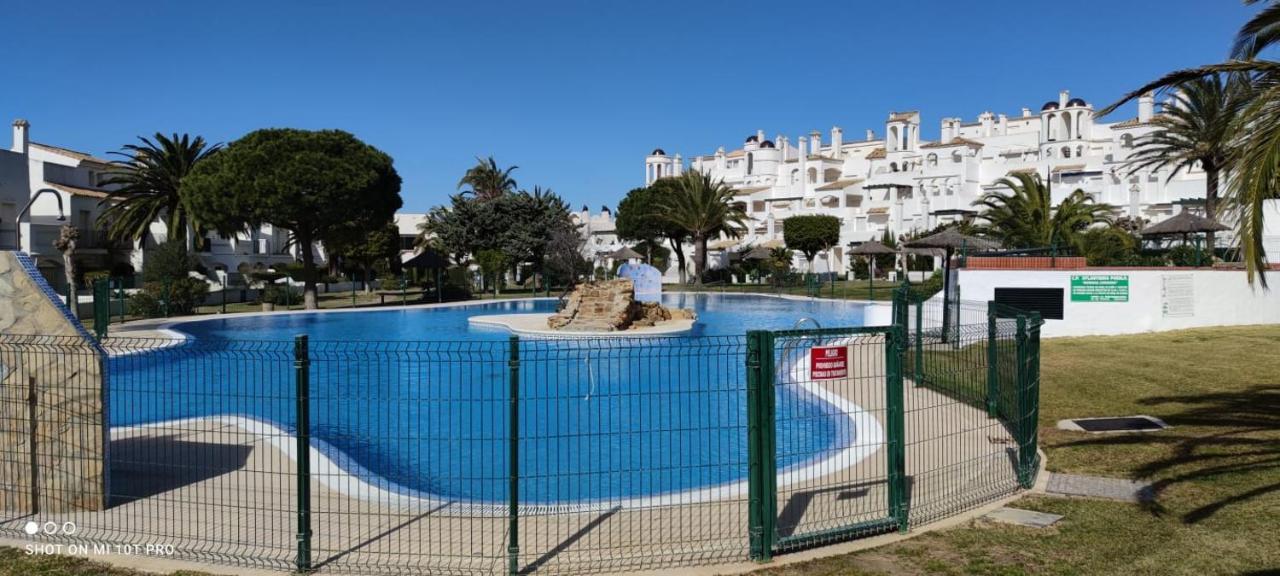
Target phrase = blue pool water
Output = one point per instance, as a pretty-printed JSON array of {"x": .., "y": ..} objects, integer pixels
[{"x": 417, "y": 401}]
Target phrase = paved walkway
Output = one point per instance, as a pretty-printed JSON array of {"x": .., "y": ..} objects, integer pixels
[
  {"x": 218, "y": 491},
  {"x": 1099, "y": 487}
]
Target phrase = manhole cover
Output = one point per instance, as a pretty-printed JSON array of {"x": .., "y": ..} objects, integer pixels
[{"x": 1115, "y": 424}]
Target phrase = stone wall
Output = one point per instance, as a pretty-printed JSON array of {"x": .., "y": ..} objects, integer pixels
[
  {"x": 609, "y": 306},
  {"x": 47, "y": 354}
]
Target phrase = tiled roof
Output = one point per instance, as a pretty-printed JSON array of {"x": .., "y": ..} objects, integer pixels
[
  {"x": 1134, "y": 122},
  {"x": 877, "y": 154},
  {"x": 78, "y": 155},
  {"x": 736, "y": 153},
  {"x": 750, "y": 189},
  {"x": 957, "y": 141},
  {"x": 78, "y": 191},
  {"x": 1068, "y": 168},
  {"x": 894, "y": 116},
  {"x": 839, "y": 184},
  {"x": 878, "y": 210},
  {"x": 1024, "y": 171}
]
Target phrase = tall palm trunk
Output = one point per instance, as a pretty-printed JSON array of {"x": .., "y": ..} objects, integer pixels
[
  {"x": 678, "y": 248},
  {"x": 1210, "y": 203},
  {"x": 699, "y": 257},
  {"x": 66, "y": 243}
]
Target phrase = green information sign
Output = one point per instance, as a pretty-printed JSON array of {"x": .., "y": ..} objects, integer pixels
[{"x": 1099, "y": 288}]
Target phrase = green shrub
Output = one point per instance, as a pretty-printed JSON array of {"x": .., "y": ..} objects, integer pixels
[
  {"x": 169, "y": 261},
  {"x": 1184, "y": 255},
  {"x": 1108, "y": 246},
  {"x": 929, "y": 287},
  {"x": 280, "y": 295},
  {"x": 183, "y": 296}
]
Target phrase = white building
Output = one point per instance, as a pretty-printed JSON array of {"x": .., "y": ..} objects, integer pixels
[
  {"x": 77, "y": 193},
  {"x": 900, "y": 182},
  {"x": 599, "y": 233}
]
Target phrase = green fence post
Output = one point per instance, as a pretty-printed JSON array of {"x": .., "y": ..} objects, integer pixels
[
  {"x": 919, "y": 359},
  {"x": 513, "y": 457},
  {"x": 224, "y": 294},
  {"x": 302, "y": 380},
  {"x": 759, "y": 541},
  {"x": 1025, "y": 455},
  {"x": 993, "y": 358},
  {"x": 895, "y": 423},
  {"x": 164, "y": 304},
  {"x": 353, "y": 289}
]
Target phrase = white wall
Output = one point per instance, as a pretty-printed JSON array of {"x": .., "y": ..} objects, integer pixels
[{"x": 1219, "y": 298}]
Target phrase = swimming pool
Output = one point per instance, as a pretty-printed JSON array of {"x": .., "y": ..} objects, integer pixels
[{"x": 416, "y": 401}]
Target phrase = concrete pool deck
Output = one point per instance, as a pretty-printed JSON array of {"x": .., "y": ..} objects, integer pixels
[
  {"x": 219, "y": 492},
  {"x": 536, "y": 325}
]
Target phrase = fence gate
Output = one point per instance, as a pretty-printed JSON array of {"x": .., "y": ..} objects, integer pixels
[{"x": 840, "y": 471}]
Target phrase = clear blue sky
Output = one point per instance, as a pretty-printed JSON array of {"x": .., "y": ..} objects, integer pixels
[{"x": 575, "y": 93}]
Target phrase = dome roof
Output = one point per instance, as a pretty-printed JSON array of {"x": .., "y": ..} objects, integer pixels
[
  {"x": 752, "y": 138},
  {"x": 1076, "y": 102},
  {"x": 658, "y": 152},
  {"x": 1050, "y": 105},
  {"x": 767, "y": 144}
]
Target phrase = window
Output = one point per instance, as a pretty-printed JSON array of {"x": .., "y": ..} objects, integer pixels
[
  {"x": 893, "y": 166},
  {"x": 1066, "y": 151},
  {"x": 1126, "y": 141},
  {"x": 751, "y": 164},
  {"x": 931, "y": 160},
  {"x": 813, "y": 175}
]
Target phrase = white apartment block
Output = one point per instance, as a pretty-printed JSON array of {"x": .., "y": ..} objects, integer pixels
[
  {"x": 63, "y": 182},
  {"x": 900, "y": 182}
]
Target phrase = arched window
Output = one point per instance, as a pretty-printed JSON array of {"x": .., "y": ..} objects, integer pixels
[
  {"x": 1066, "y": 125},
  {"x": 1066, "y": 151},
  {"x": 813, "y": 175},
  {"x": 893, "y": 166},
  {"x": 931, "y": 160},
  {"x": 751, "y": 164},
  {"x": 893, "y": 138},
  {"x": 1051, "y": 128},
  {"x": 1126, "y": 140}
]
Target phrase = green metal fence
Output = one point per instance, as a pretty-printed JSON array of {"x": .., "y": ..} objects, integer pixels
[{"x": 920, "y": 424}]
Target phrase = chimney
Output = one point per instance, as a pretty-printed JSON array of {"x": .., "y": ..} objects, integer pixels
[
  {"x": 871, "y": 135},
  {"x": 1063, "y": 96},
  {"x": 1002, "y": 125},
  {"x": 837, "y": 140},
  {"x": 988, "y": 122},
  {"x": 785, "y": 145},
  {"x": 677, "y": 166},
  {"x": 21, "y": 136},
  {"x": 1146, "y": 106},
  {"x": 759, "y": 135},
  {"x": 1026, "y": 112},
  {"x": 815, "y": 143}
]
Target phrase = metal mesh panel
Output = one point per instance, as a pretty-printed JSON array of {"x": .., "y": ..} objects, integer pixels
[{"x": 548, "y": 455}]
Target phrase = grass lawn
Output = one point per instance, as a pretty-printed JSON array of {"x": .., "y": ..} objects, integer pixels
[{"x": 1217, "y": 470}]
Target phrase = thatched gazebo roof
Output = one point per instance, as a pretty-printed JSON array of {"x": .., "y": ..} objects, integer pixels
[
  {"x": 625, "y": 253},
  {"x": 428, "y": 258},
  {"x": 758, "y": 253},
  {"x": 871, "y": 247},
  {"x": 1183, "y": 223},
  {"x": 952, "y": 239}
]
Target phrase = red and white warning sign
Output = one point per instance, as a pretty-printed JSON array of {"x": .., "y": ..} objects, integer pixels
[{"x": 827, "y": 362}]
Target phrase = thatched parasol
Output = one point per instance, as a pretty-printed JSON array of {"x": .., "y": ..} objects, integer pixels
[
  {"x": 625, "y": 253},
  {"x": 872, "y": 248},
  {"x": 1182, "y": 224},
  {"x": 758, "y": 253},
  {"x": 949, "y": 240}
]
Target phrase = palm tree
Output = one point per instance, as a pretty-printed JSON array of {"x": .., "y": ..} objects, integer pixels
[
  {"x": 1196, "y": 129},
  {"x": 704, "y": 208},
  {"x": 150, "y": 187},
  {"x": 1026, "y": 217},
  {"x": 780, "y": 258},
  {"x": 487, "y": 180},
  {"x": 1253, "y": 150},
  {"x": 68, "y": 235}
]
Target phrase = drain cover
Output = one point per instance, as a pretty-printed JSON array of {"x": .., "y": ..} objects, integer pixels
[{"x": 1116, "y": 424}]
